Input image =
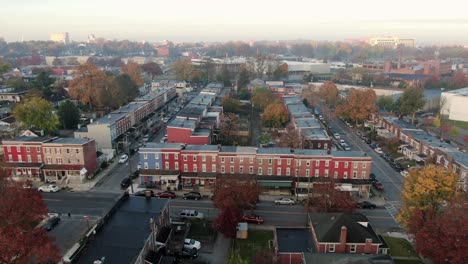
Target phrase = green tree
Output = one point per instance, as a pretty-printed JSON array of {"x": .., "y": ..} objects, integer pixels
[
  {"x": 455, "y": 132},
  {"x": 411, "y": 101},
  {"x": 275, "y": 115},
  {"x": 44, "y": 82},
  {"x": 125, "y": 89},
  {"x": 4, "y": 66},
  {"x": 235, "y": 258},
  {"x": 36, "y": 113},
  {"x": 262, "y": 97},
  {"x": 280, "y": 71},
  {"x": 243, "y": 94},
  {"x": 225, "y": 77},
  {"x": 244, "y": 78},
  {"x": 386, "y": 103},
  {"x": 230, "y": 104},
  {"x": 228, "y": 128},
  {"x": 69, "y": 115},
  {"x": 183, "y": 69},
  {"x": 17, "y": 83}
]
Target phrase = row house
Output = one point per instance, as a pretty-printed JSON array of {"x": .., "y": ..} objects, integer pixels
[
  {"x": 280, "y": 170},
  {"x": 110, "y": 129},
  {"x": 421, "y": 146},
  {"x": 50, "y": 158}
]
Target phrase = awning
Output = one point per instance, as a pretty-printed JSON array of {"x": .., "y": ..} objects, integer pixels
[
  {"x": 275, "y": 183},
  {"x": 169, "y": 177}
]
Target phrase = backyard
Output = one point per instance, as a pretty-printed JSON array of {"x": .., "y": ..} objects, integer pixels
[
  {"x": 402, "y": 251},
  {"x": 257, "y": 241}
]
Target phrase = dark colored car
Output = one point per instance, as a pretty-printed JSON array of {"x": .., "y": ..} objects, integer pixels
[
  {"x": 378, "y": 185},
  {"x": 373, "y": 145},
  {"x": 190, "y": 253},
  {"x": 166, "y": 194},
  {"x": 366, "y": 205},
  {"x": 252, "y": 218},
  {"x": 51, "y": 223},
  {"x": 192, "y": 196},
  {"x": 398, "y": 167},
  {"x": 135, "y": 174},
  {"x": 125, "y": 183},
  {"x": 145, "y": 193}
]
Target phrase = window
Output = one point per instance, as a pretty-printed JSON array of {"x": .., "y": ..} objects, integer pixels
[
  {"x": 317, "y": 163},
  {"x": 352, "y": 249},
  {"x": 213, "y": 158},
  {"x": 316, "y": 173},
  {"x": 241, "y": 159},
  {"x": 9, "y": 149},
  {"x": 156, "y": 165},
  {"x": 10, "y": 157},
  {"x": 213, "y": 168},
  {"x": 222, "y": 159},
  {"x": 345, "y": 175},
  {"x": 319, "y": 145},
  {"x": 37, "y": 149},
  {"x": 331, "y": 248},
  {"x": 270, "y": 171},
  {"x": 18, "y": 149},
  {"x": 279, "y": 161},
  {"x": 251, "y": 159},
  {"x": 145, "y": 156},
  {"x": 364, "y": 165},
  {"x": 260, "y": 171},
  {"x": 77, "y": 151},
  {"x": 29, "y": 159},
  {"x": 27, "y": 149},
  {"x": 166, "y": 155},
  {"x": 326, "y": 173},
  {"x": 231, "y": 169},
  {"x": 146, "y": 165},
  {"x": 307, "y": 173},
  {"x": 250, "y": 170},
  {"x": 260, "y": 161},
  {"x": 327, "y": 163},
  {"x": 194, "y": 157},
  {"x": 185, "y": 157},
  {"x": 288, "y": 171},
  {"x": 39, "y": 159},
  {"x": 185, "y": 167},
  {"x": 20, "y": 158},
  {"x": 232, "y": 159},
  {"x": 278, "y": 171},
  {"x": 59, "y": 160},
  {"x": 289, "y": 162},
  {"x": 325, "y": 145},
  {"x": 346, "y": 164},
  {"x": 68, "y": 151},
  {"x": 49, "y": 160},
  {"x": 222, "y": 169},
  {"x": 203, "y": 167},
  {"x": 156, "y": 156},
  {"x": 335, "y": 174},
  {"x": 176, "y": 156},
  {"x": 355, "y": 165},
  {"x": 203, "y": 158},
  {"x": 354, "y": 174},
  {"x": 241, "y": 169},
  {"x": 336, "y": 164},
  {"x": 270, "y": 161},
  {"x": 176, "y": 165},
  {"x": 195, "y": 167},
  {"x": 308, "y": 163},
  {"x": 364, "y": 174}
]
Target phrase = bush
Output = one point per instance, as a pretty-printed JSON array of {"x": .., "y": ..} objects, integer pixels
[{"x": 104, "y": 164}]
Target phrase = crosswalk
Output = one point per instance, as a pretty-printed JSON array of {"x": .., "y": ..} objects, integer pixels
[{"x": 393, "y": 209}]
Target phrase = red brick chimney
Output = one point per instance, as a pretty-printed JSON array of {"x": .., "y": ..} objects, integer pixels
[
  {"x": 368, "y": 246},
  {"x": 343, "y": 236}
]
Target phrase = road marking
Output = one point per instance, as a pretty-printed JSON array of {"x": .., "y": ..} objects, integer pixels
[
  {"x": 258, "y": 211},
  {"x": 52, "y": 200}
]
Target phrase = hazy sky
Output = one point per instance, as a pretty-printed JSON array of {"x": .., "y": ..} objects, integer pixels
[{"x": 211, "y": 20}]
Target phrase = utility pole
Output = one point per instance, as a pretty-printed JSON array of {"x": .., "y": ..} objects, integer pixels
[{"x": 129, "y": 163}]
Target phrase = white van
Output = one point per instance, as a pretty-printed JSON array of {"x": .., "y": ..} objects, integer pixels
[{"x": 191, "y": 214}]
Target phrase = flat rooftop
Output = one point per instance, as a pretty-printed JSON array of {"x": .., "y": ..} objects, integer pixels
[
  {"x": 183, "y": 123},
  {"x": 121, "y": 239}
]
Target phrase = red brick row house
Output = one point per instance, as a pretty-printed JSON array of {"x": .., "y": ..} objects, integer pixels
[
  {"x": 279, "y": 170},
  {"x": 42, "y": 158}
]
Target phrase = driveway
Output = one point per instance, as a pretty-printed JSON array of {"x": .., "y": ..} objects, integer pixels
[{"x": 219, "y": 253}]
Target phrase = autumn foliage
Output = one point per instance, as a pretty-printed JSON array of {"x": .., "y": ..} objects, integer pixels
[
  {"x": 133, "y": 70},
  {"x": 329, "y": 93},
  {"x": 275, "y": 115},
  {"x": 21, "y": 210},
  {"x": 226, "y": 221},
  {"x": 327, "y": 198},
  {"x": 358, "y": 105}
]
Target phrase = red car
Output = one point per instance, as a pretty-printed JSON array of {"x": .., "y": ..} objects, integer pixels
[
  {"x": 251, "y": 218},
  {"x": 378, "y": 185},
  {"x": 167, "y": 194}
]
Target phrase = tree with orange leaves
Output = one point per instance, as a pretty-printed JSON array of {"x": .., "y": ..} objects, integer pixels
[
  {"x": 275, "y": 115},
  {"x": 329, "y": 92},
  {"x": 358, "y": 105},
  {"x": 134, "y": 71}
]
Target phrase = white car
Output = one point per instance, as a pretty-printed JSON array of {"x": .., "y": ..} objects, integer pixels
[
  {"x": 404, "y": 173},
  {"x": 123, "y": 159},
  {"x": 337, "y": 135},
  {"x": 378, "y": 150},
  {"x": 287, "y": 201},
  {"x": 192, "y": 244},
  {"x": 48, "y": 188}
]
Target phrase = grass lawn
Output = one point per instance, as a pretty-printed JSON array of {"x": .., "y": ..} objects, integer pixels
[
  {"x": 201, "y": 231},
  {"x": 400, "y": 247},
  {"x": 461, "y": 124},
  {"x": 256, "y": 241}
]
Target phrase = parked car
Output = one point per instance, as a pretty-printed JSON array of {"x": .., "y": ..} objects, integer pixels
[
  {"x": 378, "y": 185},
  {"x": 125, "y": 183},
  {"x": 189, "y": 253},
  {"x": 373, "y": 145},
  {"x": 192, "y": 196},
  {"x": 166, "y": 194},
  {"x": 252, "y": 218},
  {"x": 49, "y": 188},
  {"x": 164, "y": 139},
  {"x": 145, "y": 193},
  {"x": 51, "y": 223},
  {"x": 337, "y": 135},
  {"x": 378, "y": 150},
  {"x": 191, "y": 214},
  {"x": 192, "y": 244},
  {"x": 346, "y": 147},
  {"x": 366, "y": 205},
  {"x": 123, "y": 159},
  {"x": 283, "y": 200},
  {"x": 404, "y": 173},
  {"x": 398, "y": 167}
]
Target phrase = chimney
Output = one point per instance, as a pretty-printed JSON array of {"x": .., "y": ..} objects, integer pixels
[
  {"x": 368, "y": 246},
  {"x": 343, "y": 235}
]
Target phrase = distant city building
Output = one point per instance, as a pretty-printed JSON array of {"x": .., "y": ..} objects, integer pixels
[
  {"x": 454, "y": 104},
  {"x": 163, "y": 51},
  {"x": 62, "y": 37},
  {"x": 91, "y": 38},
  {"x": 392, "y": 42}
]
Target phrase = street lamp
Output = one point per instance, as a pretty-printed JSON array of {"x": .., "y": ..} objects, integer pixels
[{"x": 129, "y": 162}]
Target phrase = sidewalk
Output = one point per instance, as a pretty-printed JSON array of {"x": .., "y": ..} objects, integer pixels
[
  {"x": 220, "y": 251},
  {"x": 89, "y": 184}
]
